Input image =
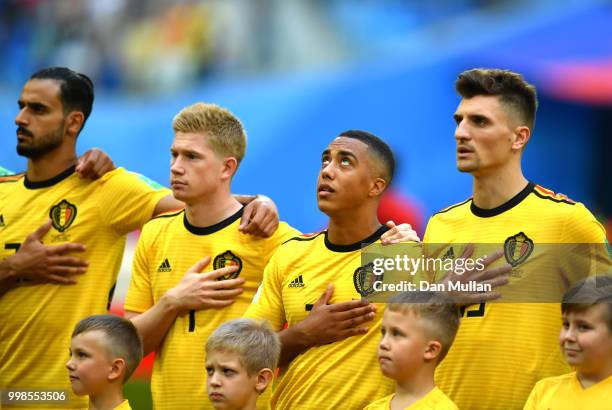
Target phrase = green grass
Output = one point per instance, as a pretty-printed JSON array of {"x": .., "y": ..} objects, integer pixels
[{"x": 138, "y": 392}]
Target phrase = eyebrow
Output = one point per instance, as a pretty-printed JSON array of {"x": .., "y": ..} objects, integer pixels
[
  {"x": 341, "y": 153},
  {"x": 35, "y": 105}
]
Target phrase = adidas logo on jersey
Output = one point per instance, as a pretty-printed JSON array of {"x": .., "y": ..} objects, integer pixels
[
  {"x": 165, "y": 266},
  {"x": 297, "y": 282}
]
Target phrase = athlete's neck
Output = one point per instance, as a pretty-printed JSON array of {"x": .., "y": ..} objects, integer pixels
[
  {"x": 50, "y": 164},
  {"x": 493, "y": 190},
  {"x": 211, "y": 209},
  {"x": 107, "y": 400},
  {"x": 411, "y": 390},
  {"x": 347, "y": 229}
]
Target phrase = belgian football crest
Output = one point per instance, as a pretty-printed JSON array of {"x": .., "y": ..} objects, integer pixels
[
  {"x": 364, "y": 278},
  {"x": 62, "y": 215},
  {"x": 225, "y": 260},
  {"x": 517, "y": 249}
]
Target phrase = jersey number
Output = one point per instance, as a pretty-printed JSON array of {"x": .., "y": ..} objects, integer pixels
[
  {"x": 192, "y": 320},
  {"x": 14, "y": 246},
  {"x": 474, "y": 312}
]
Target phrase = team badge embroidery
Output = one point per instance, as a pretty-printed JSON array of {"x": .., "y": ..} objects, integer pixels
[
  {"x": 517, "y": 249},
  {"x": 62, "y": 215},
  {"x": 364, "y": 278},
  {"x": 226, "y": 260},
  {"x": 450, "y": 254}
]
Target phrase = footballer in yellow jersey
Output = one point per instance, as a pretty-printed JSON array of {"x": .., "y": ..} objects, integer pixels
[
  {"x": 566, "y": 393},
  {"x": 340, "y": 375},
  {"x": 167, "y": 247},
  {"x": 502, "y": 349},
  {"x": 37, "y": 319},
  {"x": 328, "y": 358},
  {"x": 434, "y": 400}
]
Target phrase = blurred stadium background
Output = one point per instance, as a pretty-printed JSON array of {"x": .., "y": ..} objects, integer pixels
[{"x": 298, "y": 72}]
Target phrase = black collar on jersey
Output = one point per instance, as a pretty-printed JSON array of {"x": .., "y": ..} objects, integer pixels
[
  {"x": 207, "y": 230},
  {"x": 514, "y": 201},
  {"x": 357, "y": 245},
  {"x": 48, "y": 182}
]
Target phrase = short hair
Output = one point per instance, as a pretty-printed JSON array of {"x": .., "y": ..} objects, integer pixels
[
  {"x": 381, "y": 151},
  {"x": 589, "y": 292},
  {"x": 514, "y": 92},
  {"x": 438, "y": 311},
  {"x": 122, "y": 338},
  {"x": 225, "y": 132},
  {"x": 76, "y": 89},
  {"x": 256, "y": 344}
]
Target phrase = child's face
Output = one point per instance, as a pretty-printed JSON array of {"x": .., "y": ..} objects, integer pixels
[
  {"x": 586, "y": 340},
  {"x": 89, "y": 364},
  {"x": 228, "y": 384},
  {"x": 403, "y": 344}
]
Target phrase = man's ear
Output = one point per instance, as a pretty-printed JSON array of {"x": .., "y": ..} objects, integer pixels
[
  {"x": 378, "y": 187},
  {"x": 264, "y": 378},
  {"x": 522, "y": 134},
  {"x": 117, "y": 370},
  {"x": 230, "y": 165},
  {"x": 74, "y": 122}
]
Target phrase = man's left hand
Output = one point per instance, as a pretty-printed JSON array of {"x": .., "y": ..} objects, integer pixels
[
  {"x": 94, "y": 163},
  {"x": 399, "y": 233},
  {"x": 260, "y": 217}
]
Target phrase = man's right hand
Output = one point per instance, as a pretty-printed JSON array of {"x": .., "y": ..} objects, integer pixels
[
  {"x": 328, "y": 323},
  {"x": 495, "y": 277},
  {"x": 37, "y": 262},
  {"x": 197, "y": 291}
]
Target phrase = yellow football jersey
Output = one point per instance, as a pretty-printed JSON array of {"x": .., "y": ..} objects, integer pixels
[
  {"x": 125, "y": 405},
  {"x": 341, "y": 375},
  {"x": 434, "y": 400},
  {"x": 566, "y": 393},
  {"x": 502, "y": 349},
  {"x": 36, "y": 320},
  {"x": 168, "y": 246}
]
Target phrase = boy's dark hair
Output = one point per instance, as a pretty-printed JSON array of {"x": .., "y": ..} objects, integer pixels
[
  {"x": 514, "y": 92},
  {"x": 437, "y": 310},
  {"x": 595, "y": 290},
  {"x": 122, "y": 338},
  {"x": 381, "y": 151},
  {"x": 76, "y": 89}
]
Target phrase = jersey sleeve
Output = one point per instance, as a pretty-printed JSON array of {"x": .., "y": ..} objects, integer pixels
[
  {"x": 267, "y": 303},
  {"x": 283, "y": 233},
  {"x": 534, "y": 397},
  {"x": 140, "y": 293},
  {"x": 127, "y": 199},
  {"x": 585, "y": 246},
  {"x": 582, "y": 227},
  {"x": 428, "y": 229}
]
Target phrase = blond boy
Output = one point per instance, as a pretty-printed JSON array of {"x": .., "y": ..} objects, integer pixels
[
  {"x": 104, "y": 352},
  {"x": 241, "y": 356},
  {"x": 418, "y": 329},
  {"x": 586, "y": 344}
]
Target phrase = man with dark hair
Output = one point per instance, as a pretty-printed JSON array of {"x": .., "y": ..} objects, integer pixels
[
  {"x": 502, "y": 349},
  {"x": 330, "y": 369},
  {"x": 380, "y": 150},
  {"x": 37, "y": 309}
]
